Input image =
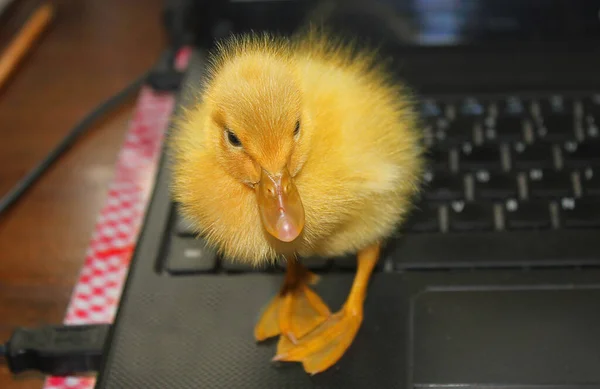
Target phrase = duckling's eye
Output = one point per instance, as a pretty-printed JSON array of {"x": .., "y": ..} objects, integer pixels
[
  {"x": 297, "y": 128},
  {"x": 234, "y": 140}
]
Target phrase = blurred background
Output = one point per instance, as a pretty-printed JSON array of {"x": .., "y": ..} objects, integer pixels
[{"x": 88, "y": 51}]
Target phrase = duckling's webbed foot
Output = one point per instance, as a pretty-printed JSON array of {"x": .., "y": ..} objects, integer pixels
[
  {"x": 323, "y": 347},
  {"x": 296, "y": 310}
]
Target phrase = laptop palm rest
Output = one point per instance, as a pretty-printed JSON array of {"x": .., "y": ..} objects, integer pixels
[{"x": 506, "y": 338}]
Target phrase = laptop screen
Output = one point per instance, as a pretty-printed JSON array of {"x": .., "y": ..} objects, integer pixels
[
  {"x": 471, "y": 22},
  {"x": 468, "y": 21},
  {"x": 444, "y": 45},
  {"x": 423, "y": 23}
]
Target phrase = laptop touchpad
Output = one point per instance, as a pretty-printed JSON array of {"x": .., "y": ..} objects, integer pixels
[{"x": 510, "y": 337}]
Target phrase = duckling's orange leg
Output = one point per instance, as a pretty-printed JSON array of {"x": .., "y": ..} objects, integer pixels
[
  {"x": 296, "y": 310},
  {"x": 324, "y": 346}
]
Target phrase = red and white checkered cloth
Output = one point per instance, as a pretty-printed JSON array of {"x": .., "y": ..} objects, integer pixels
[{"x": 96, "y": 295}]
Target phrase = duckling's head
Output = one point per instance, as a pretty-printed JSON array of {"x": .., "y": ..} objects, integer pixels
[{"x": 257, "y": 127}]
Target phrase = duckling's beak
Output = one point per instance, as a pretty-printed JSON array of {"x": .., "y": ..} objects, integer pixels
[{"x": 280, "y": 207}]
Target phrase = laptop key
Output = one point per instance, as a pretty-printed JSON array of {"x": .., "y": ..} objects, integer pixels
[
  {"x": 591, "y": 129},
  {"x": 438, "y": 159},
  {"x": 486, "y": 157},
  {"x": 581, "y": 212},
  {"x": 186, "y": 256},
  {"x": 233, "y": 266},
  {"x": 503, "y": 129},
  {"x": 591, "y": 104},
  {"x": 471, "y": 106},
  {"x": 526, "y": 215},
  {"x": 556, "y": 127},
  {"x": 464, "y": 217},
  {"x": 549, "y": 184},
  {"x": 555, "y": 104},
  {"x": 590, "y": 182},
  {"x": 456, "y": 132},
  {"x": 494, "y": 186},
  {"x": 183, "y": 227},
  {"x": 444, "y": 186},
  {"x": 423, "y": 218},
  {"x": 512, "y": 106},
  {"x": 535, "y": 156},
  {"x": 581, "y": 155},
  {"x": 431, "y": 108}
]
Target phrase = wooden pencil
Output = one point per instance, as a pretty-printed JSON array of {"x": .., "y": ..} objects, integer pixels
[{"x": 24, "y": 40}]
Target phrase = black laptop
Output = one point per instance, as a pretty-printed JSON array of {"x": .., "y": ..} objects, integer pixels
[{"x": 494, "y": 282}]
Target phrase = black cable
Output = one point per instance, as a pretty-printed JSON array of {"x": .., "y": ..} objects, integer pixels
[
  {"x": 22, "y": 186},
  {"x": 2, "y": 350}
]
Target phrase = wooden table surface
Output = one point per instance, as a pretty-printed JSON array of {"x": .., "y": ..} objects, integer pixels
[{"x": 92, "y": 49}]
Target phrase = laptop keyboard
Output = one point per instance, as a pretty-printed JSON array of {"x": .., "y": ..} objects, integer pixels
[
  {"x": 511, "y": 163},
  {"x": 496, "y": 165}
]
